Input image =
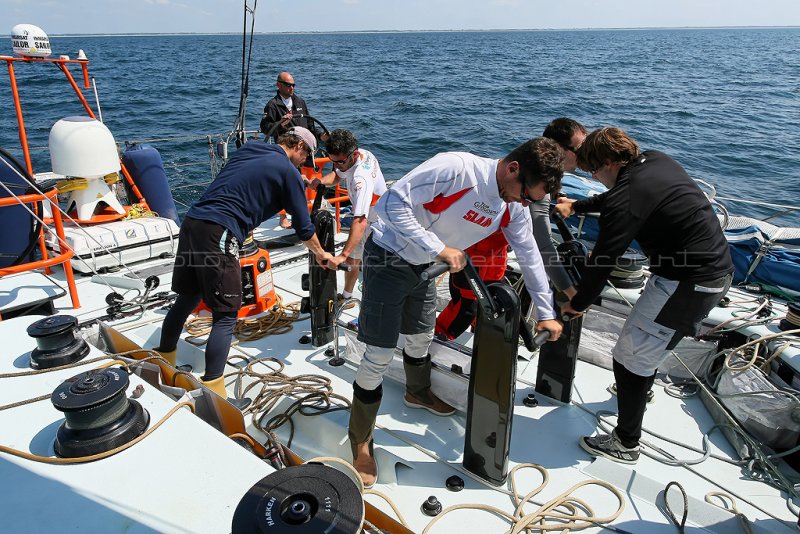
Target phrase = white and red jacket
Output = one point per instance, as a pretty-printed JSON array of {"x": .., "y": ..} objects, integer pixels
[
  {"x": 453, "y": 199},
  {"x": 364, "y": 182}
]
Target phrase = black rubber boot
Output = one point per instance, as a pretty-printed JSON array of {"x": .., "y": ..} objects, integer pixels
[{"x": 363, "y": 413}]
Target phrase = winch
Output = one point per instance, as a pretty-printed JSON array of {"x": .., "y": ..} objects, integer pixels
[
  {"x": 308, "y": 498},
  {"x": 99, "y": 416},
  {"x": 56, "y": 344}
]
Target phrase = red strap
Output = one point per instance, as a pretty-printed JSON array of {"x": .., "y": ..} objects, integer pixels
[
  {"x": 506, "y": 218},
  {"x": 441, "y": 202}
]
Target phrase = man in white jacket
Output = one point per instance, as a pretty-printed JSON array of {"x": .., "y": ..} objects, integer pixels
[
  {"x": 361, "y": 173},
  {"x": 433, "y": 213}
]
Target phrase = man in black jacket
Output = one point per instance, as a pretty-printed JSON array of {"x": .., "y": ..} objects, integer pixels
[
  {"x": 285, "y": 110},
  {"x": 653, "y": 200}
]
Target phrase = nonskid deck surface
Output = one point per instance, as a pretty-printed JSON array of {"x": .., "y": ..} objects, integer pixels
[{"x": 417, "y": 451}]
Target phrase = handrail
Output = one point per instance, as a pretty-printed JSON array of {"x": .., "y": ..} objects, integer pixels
[
  {"x": 62, "y": 258},
  {"x": 62, "y": 65}
]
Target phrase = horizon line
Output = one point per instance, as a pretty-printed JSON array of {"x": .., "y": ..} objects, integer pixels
[{"x": 345, "y": 32}]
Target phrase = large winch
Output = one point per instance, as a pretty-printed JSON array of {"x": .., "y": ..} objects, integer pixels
[
  {"x": 308, "y": 498},
  {"x": 98, "y": 415},
  {"x": 56, "y": 344}
]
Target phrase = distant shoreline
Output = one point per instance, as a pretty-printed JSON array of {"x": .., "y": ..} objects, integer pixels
[{"x": 496, "y": 30}]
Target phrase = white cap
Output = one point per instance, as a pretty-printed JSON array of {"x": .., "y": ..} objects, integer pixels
[{"x": 307, "y": 137}]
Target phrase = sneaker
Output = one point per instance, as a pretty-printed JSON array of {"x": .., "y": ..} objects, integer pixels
[
  {"x": 609, "y": 446},
  {"x": 650, "y": 395},
  {"x": 340, "y": 302},
  {"x": 433, "y": 404}
]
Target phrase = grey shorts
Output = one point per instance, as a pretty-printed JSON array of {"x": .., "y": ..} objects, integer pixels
[
  {"x": 665, "y": 312},
  {"x": 394, "y": 299}
]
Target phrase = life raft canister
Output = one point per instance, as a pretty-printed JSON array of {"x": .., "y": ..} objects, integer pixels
[{"x": 147, "y": 170}]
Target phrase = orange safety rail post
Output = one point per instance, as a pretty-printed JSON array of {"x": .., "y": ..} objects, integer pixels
[
  {"x": 339, "y": 192},
  {"x": 23, "y": 136},
  {"x": 71, "y": 80},
  {"x": 62, "y": 258},
  {"x": 42, "y": 244}
]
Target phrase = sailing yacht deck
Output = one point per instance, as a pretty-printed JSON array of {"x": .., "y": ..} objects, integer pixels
[{"x": 417, "y": 451}]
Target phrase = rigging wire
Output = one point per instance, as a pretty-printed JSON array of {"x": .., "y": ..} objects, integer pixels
[{"x": 238, "y": 133}]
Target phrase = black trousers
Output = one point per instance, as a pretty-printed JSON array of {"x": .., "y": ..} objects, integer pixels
[
  {"x": 680, "y": 312},
  {"x": 631, "y": 403}
]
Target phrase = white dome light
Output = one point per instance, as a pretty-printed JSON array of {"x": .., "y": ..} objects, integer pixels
[{"x": 82, "y": 147}]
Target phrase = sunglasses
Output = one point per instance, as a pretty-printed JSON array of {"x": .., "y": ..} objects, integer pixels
[
  {"x": 287, "y": 84},
  {"x": 342, "y": 161}
]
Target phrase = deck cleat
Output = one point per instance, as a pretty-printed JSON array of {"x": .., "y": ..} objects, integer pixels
[{"x": 431, "y": 507}]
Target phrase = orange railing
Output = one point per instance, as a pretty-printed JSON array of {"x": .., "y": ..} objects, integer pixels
[
  {"x": 341, "y": 194},
  {"x": 45, "y": 262},
  {"x": 62, "y": 65}
]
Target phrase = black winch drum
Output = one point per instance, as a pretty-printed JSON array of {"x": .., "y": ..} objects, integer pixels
[
  {"x": 302, "y": 499},
  {"x": 629, "y": 271},
  {"x": 56, "y": 344},
  {"x": 99, "y": 416},
  {"x": 792, "y": 320}
]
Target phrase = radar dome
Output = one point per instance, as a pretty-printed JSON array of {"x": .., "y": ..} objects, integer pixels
[{"x": 30, "y": 41}]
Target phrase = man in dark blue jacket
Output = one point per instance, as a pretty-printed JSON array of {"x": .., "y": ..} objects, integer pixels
[
  {"x": 653, "y": 200},
  {"x": 259, "y": 180}
]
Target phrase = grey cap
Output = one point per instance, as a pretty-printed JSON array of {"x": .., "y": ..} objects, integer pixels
[{"x": 307, "y": 137}]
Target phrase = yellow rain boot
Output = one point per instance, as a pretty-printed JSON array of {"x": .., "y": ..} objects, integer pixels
[
  {"x": 170, "y": 355},
  {"x": 217, "y": 385}
]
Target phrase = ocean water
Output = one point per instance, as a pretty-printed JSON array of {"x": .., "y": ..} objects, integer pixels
[{"x": 723, "y": 102}]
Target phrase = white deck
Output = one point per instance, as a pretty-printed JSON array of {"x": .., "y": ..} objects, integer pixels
[
  {"x": 161, "y": 484},
  {"x": 416, "y": 451}
]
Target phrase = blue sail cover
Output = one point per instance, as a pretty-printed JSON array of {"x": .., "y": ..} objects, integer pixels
[
  {"x": 15, "y": 220},
  {"x": 778, "y": 267}
]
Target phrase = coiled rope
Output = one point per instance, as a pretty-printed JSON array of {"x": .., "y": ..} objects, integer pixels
[
  {"x": 313, "y": 395},
  {"x": 276, "y": 321},
  {"x": 563, "y": 513}
]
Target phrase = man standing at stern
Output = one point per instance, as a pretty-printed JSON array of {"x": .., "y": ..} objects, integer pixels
[
  {"x": 653, "y": 200},
  {"x": 433, "y": 213},
  {"x": 288, "y": 109}
]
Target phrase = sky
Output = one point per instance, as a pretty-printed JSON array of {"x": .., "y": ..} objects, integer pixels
[{"x": 215, "y": 16}]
